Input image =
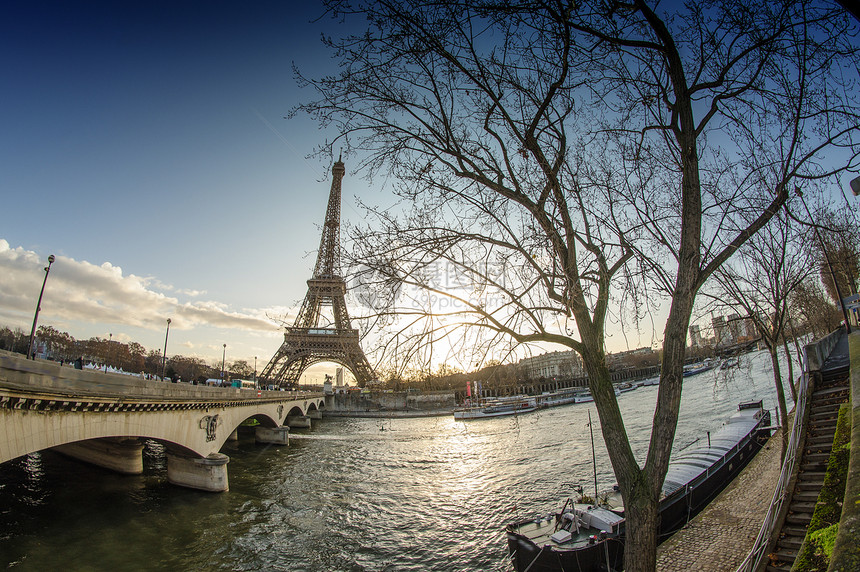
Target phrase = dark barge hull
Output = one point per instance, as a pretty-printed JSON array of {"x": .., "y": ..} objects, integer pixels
[
  {"x": 529, "y": 556},
  {"x": 676, "y": 509}
]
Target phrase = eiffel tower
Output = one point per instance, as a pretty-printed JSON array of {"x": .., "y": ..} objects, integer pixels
[{"x": 310, "y": 341}]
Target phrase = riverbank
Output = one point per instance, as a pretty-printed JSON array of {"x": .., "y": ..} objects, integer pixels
[
  {"x": 382, "y": 414},
  {"x": 388, "y": 404},
  {"x": 406, "y": 404},
  {"x": 721, "y": 536}
]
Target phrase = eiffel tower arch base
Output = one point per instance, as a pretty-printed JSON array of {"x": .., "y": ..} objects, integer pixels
[{"x": 303, "y": 347}]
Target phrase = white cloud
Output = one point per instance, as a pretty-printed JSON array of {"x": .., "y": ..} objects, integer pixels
[
  {"x": 82, "y": 292},
  {"x": 158, "y": 284},
  {"x": 191, "y": 293}
]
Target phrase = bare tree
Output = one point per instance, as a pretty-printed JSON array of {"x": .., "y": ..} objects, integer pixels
[
  {"x": 811, "y": 308},
  {"x": 759, "y": 283},
  {"x": 840, "y": 238},
  {"x": 60, "y": 344},
  {"x": 241, "y": 368},
  {"x": 561, "y": 164}
]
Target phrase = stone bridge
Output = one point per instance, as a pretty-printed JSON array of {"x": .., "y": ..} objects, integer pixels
[{"x": 103, "y": 418}]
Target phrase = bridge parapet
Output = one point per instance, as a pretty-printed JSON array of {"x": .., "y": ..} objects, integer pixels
[
  {"x": 17, "y": 372},
  {"x": 95, "y": 415}
]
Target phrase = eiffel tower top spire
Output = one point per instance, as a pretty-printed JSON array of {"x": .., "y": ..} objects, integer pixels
[{"x": 328, "y": 257}]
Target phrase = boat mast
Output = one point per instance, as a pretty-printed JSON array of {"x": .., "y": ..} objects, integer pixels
[{"x": 593, "y": 457}]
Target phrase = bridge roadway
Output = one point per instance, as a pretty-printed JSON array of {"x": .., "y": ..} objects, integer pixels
[{"x": 103, "y": 418}]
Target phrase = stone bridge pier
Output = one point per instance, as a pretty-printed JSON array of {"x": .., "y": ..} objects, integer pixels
[{"x": 104, "y": 419}]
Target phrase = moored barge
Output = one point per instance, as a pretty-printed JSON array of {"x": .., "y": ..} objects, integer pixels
[{"x": 590, "y": 537}]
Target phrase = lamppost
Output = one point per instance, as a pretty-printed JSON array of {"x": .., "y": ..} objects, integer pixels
[
  {"x": 38, "y": 307},
  {"x": 164, "y": 356},
  {"x": 255, "y": 369},
  {"x": 110, "y": 337},
  {"x": 827, "y": 258},
  {"x": 223, "y": 356}
]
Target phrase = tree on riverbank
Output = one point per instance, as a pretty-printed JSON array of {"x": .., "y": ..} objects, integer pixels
[
  {"x": 130, "y": 357},
  {"x": 813, "y": 311},
  {"x": 759, "y": 283},
  {"x": 840, "y": 238},
  {"x": 562, "y": 164}
]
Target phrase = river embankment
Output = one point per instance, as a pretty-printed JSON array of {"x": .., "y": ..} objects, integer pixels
[{"x": 386, "y": 404}]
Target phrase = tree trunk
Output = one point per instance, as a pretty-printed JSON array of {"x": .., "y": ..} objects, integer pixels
[
  {"x": 798, "y": 357},
  {"x": 641, "y": 496},
  {"x": 642, "y": 522},
  {"x": 780, "y": 397},
  {"x": 790, "y": 370},
  {"x": 640, "y": 502}
]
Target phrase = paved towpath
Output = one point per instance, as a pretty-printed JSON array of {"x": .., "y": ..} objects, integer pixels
[{"x": 721, "y": 536}]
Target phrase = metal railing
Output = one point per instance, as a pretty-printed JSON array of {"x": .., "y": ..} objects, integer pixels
[{"x": 781, "y": 494}]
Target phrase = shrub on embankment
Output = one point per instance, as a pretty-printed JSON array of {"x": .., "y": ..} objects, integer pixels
[
  {"x": 846, "y": 552},
  {"x": 817, "y": 547}
]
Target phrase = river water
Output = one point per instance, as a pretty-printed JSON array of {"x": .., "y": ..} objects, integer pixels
[{"x": 350, "y": 494}]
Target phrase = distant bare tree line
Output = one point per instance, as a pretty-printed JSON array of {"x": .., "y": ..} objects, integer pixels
[{"x": 130, "y": 357}]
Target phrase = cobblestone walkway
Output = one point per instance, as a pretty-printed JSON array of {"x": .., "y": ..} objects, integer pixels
[{"x": 720, "y": 537}]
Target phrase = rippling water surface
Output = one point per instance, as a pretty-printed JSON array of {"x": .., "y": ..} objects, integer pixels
[{"x": 351, "y": 494}]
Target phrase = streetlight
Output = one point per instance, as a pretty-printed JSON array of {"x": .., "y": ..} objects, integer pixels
[
  {"x": 255, "y": 369},
  {"x": 164, "y": 356},
  {"x": 827, "y": 258},
  {"x": 110, "y": 337},
  {"x": 223, "y": 356},
  {"x": 38, "y": 306}
]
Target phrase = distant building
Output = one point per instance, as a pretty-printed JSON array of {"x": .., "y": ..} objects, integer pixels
[
  {"x": 750, "y": 332},
  {"x": 620, "y": 360},
  {"x": 728, "y": 331},
  {"x": 721, "y": 331},
  {"x": 696, "y": 340},
  {"x": 735, "y": 328},
  {"x": 339, "y": 377},
  {"x": 552, "y": 364}
]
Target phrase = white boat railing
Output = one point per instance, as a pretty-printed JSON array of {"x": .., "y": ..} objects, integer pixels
[{"x": 780, "y": 494}]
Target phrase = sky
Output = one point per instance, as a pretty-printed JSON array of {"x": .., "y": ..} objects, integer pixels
[{"x": 145, "y": 145}]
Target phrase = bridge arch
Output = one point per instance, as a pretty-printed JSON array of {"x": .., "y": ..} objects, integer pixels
[
  {"x": 295, "y": 412},
  {"x": 262, "y": 419}
]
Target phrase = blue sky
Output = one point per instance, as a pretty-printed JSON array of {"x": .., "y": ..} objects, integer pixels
[{"x": 144, "y": 144}]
